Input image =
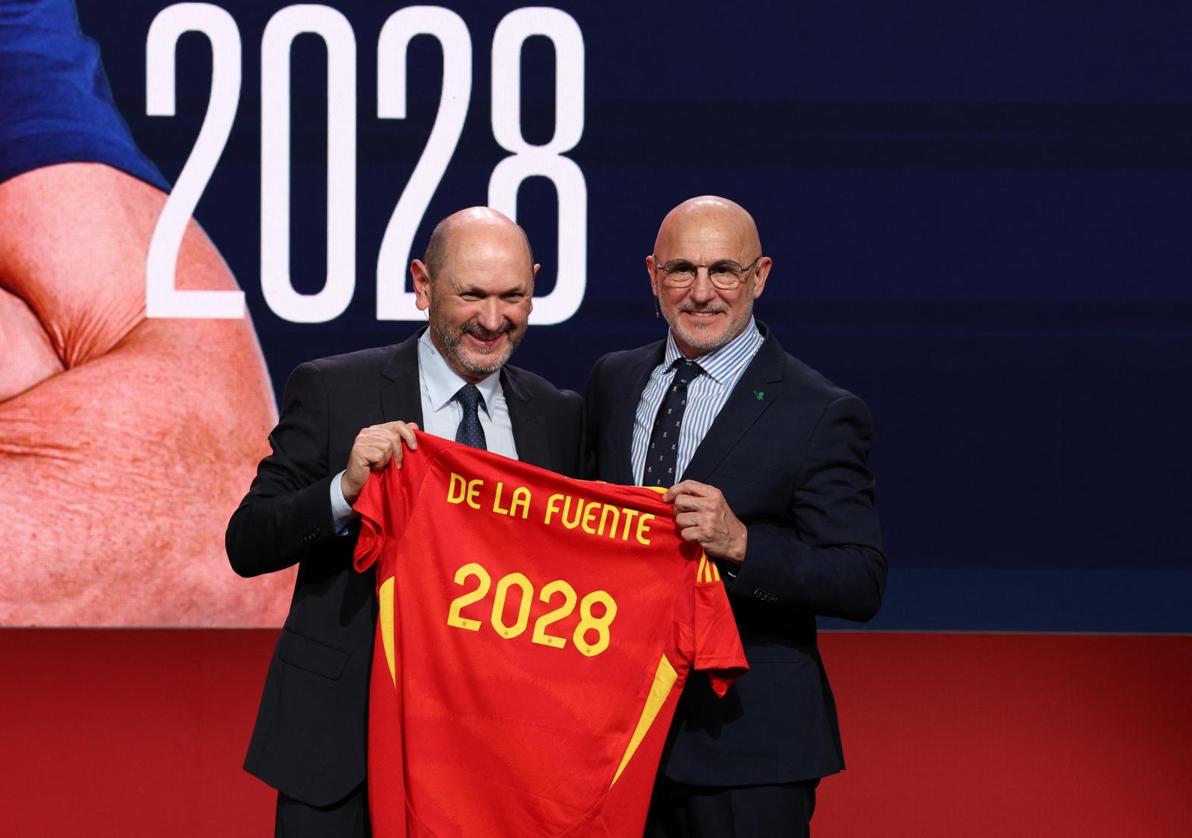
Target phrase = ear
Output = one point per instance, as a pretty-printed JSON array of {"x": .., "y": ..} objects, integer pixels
[
  {"x": 421, "y": 279},
  {"x": 651, "y": 273},
  {"x": 760, "y": 274},
  {"x": 530, "y": 297}
]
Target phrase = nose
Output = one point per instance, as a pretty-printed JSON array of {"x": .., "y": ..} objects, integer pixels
[
  {"x": 490, "y": 316},
  {"x": 702, "y": 290}
]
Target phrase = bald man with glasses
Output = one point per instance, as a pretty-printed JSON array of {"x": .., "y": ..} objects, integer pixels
[{"x": 766, "y": 463}]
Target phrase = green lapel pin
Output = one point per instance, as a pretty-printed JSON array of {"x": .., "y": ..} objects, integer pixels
[{"x": 759, "y": 395}]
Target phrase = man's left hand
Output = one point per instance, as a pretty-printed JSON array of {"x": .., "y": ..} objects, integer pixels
[{"x": 703, "y": 516}]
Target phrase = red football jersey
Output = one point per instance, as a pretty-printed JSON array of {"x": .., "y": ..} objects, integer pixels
[{"x": 533, "y": 636}]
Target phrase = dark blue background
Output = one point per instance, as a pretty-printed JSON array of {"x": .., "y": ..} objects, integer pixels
[{"x": 979, "y": 218}]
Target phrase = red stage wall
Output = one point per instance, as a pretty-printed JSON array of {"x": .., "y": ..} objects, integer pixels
[{"x": 141, "y": 733}]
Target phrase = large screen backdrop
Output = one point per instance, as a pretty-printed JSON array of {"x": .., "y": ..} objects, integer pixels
[{"x": 978, "y": 216}]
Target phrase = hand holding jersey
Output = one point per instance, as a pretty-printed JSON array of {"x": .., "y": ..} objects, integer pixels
[
  {"x": 704, "y": 516},
  {"x": 373, "y": 449}
]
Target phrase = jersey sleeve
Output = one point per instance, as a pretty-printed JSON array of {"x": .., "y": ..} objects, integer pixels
[
  {"x": 717, "y": 649},
  {"x": 381, "y": 509},
  {"x": 385, "y": 502}
]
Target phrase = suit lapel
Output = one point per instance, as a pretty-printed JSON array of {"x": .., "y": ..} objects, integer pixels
[
  {"x": 401, "y": 395},
  {"x": 529, "y": 434},
  {"x": 624, "y": 409},
  {"x": 759, "y": 388}
]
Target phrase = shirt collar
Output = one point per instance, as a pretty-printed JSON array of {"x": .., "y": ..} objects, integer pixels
[
  {"x": 722, "y": 363},
  {"x": 442, "y": 383}
]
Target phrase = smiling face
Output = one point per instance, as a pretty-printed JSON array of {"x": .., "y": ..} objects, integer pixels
[
  {"x": 704, "y": 231},
  {"x": 479, "y": 298}
]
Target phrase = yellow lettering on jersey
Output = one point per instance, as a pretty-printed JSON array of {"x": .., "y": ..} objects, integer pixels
[
  {"x": 589, "y": 521},
  {"x": 385, "y": 617},
  {"x": 607, "y": 513},
  {"x": 572, "y": 522},
  {"x": 553, "y": 504},
  {"x": 643, "y": 528},
  {"x": 519, "y": 504},
  {"x": 664, "y": 681},
  {"x": 599, "y": 519},
  {"x": 462, "y": 490},
  {"x": 592, "y": 620},
  {"x": 630, "y": 514}
]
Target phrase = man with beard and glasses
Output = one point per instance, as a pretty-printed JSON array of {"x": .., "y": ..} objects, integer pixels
[
  {"x": 342, "y": 418},
  {"x": 766, "y": 463}
]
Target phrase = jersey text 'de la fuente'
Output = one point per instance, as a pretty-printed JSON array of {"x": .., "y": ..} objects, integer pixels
[{"x": 534, "y": 633}]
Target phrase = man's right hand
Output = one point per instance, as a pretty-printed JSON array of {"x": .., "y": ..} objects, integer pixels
[{"x": 374, "y": 447}]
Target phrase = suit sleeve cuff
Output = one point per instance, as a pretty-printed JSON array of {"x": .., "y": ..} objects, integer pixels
[{"x": 341, "y": 511}]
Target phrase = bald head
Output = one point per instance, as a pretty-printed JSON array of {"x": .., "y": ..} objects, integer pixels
[
  {"x": 709, "y": 217},
  {"x": 460, "y": 229}
]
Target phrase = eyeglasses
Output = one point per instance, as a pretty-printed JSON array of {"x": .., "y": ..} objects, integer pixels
[{"x": 725, "y": 274}]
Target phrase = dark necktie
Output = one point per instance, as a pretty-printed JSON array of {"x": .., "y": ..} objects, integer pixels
[
  {"x": 663, "y": 453},
  {"x": 469, "y": 431}
]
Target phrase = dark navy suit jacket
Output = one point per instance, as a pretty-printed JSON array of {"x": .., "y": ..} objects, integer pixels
[
  {"x": 309, "y": 739},
  {"x": 789, "y": 451}
]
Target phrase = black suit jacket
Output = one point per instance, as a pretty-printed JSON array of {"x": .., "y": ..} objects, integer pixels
[
  {"x": 789, "y": 451},
  {"x": 309, "y": 739}
]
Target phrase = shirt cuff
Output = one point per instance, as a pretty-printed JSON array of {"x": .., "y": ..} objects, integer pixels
[{"x": 341, "y": 511}]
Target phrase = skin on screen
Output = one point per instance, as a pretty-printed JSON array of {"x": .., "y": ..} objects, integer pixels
[{"x": 124, "y": 442}]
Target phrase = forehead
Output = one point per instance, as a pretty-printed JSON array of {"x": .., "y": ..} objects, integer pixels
[
  {"x": 703, "y": 237},
  {"x": 489, "y": 258}
]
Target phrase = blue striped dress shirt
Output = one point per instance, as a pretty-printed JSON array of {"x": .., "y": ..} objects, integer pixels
[{"x": 706, "y": 395}]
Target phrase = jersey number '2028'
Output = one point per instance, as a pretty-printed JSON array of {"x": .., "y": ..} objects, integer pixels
[{"x": 588, "y": 622}]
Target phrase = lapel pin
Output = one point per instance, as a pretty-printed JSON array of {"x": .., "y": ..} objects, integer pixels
[{"x": 759, "y": 395}]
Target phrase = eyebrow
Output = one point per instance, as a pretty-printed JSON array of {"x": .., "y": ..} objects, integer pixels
[
  {"x": 477, "y": 291},
  {"x": 680, "y": 262}
]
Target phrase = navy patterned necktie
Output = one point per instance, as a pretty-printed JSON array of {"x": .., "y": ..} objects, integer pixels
[
  {"x": 469, "y": 431},
  {"x": 663, "y": 454}
]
